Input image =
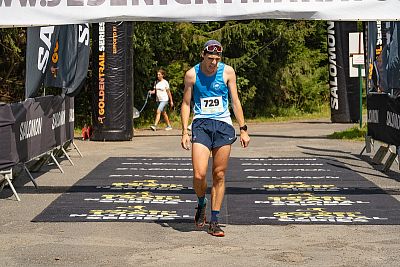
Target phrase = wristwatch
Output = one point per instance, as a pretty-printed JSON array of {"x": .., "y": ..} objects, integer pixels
[{"x": 243, "y": 128}]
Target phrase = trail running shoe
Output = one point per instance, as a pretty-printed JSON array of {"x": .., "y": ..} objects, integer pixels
[
  {"x": 200, "y": 217},
  {"x": 169, "y": 128},
  {"x": 153, "y": 127},
  {"x": 215, "y": 230}
]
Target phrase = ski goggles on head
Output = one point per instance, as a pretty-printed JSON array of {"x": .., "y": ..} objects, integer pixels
[{"x": 214, "y": 48}]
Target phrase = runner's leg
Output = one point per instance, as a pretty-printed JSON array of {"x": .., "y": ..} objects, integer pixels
[
  {"x": 200, "y": 156},
  {"x": 220, "y": 164}
]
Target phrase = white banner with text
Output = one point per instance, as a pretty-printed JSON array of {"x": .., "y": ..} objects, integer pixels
[{"x": 55, "y": 12}]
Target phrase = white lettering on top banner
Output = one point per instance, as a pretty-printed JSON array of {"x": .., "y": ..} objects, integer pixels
[{"x": 56, "y": 12}]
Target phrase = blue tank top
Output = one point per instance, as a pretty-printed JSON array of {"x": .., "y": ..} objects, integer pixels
[{"x": 211, "y": 95}]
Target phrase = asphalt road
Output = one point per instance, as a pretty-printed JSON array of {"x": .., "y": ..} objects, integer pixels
[{"x": 24, "y": 243}]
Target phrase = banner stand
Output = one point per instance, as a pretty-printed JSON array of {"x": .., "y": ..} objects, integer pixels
[
  {"x": 380, "y": 154},
  {"x": 8, "y": 178},
  {"x": 76, "y": 148},
  {"x": 68, "y": 157},
  {"x": 391, "y": 158},
  {"x": 369, "y": 145},
  {"x": 30, "y": 175}
]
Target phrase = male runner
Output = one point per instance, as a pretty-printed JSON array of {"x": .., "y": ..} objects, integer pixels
[{"x": 211, "y": 83}]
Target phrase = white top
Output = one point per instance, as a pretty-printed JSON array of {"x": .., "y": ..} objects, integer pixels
[{"x": 161, "y": 89}]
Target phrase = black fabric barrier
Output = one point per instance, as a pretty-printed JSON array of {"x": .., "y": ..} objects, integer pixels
[
  {"x": 384, "y": 118},
  {"x": 8, "y": 149},
  {"x": 33, "y": 127},
  {"x": 258, "y": 191}
]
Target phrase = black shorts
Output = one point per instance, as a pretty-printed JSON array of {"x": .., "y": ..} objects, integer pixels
[{"x": 212, "y": 133}]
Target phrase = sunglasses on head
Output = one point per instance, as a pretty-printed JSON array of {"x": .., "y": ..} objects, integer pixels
[{"x": 213, "y": 48}]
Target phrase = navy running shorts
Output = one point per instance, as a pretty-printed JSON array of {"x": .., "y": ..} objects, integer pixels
[{"x": 212, "y": 133}]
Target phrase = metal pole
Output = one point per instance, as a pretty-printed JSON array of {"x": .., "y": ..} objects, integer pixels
[
  {"x": 360, "y": 76},
  {"x": 360, "y": 79}
]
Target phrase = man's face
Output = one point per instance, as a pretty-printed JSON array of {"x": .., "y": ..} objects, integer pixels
[{"x": 211, "y": 62}]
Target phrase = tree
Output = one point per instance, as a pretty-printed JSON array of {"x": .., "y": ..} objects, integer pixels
[{"x": 12, "y": 64}]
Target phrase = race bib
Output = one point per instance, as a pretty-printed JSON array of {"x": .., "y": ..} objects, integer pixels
[{"x": 211, "y": 105}]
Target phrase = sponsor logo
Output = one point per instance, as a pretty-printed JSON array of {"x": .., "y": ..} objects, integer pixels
[
  {"x": 30, "y": 128},
  {"x": 71, "y": 115},
  {"x": 44, "y": 52},
  {"x": 333, "y": 85},
  {"x": 54, "y": 61},
  {"x": 83, "y": 31},
  {"x": 80, "y": 3},
  {"x": 115, "y": 39},
  {"x": 58, "y": 119},
  {"x": 393, "y": 120},
  {"x": 102, "y": 59},
  {"x": 321, "y": 215},
  {"x": 373, "y": 116}
]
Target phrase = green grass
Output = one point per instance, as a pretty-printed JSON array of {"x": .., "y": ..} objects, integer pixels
[
  {"x": 353, "y": 133},
  {"x": 292, "y": 114}
]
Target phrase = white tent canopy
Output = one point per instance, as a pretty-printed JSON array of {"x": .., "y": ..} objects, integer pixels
[{"x": 55, "y": 12}]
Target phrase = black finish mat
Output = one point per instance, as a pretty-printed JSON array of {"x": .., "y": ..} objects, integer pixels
[{"x": 258, "y": 191}]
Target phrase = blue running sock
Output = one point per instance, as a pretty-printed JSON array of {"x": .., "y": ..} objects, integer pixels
[
  {"x": 202, "y": 201},
  {"x": 214, "y": 215}
]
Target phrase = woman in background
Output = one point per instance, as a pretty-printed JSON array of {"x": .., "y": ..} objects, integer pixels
[{"x": 163, "y": 96}]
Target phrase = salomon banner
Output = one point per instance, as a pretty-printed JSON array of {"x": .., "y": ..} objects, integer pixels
[
  {"x": 63, "y": 59},
  {"x": 82, "y": 60},
  {"x": 70, "y": 60},
  {"x": 57, "y": 56},
  {"x": 33, "y": 127},
  {"x": 41, "y": 43},
  {"x": 384, "y": 118},
  {"x": 57, "y": 12},
  {"x": 59, "y": 116},
  {"x": 343, "y": 99},
  {"x": 70, "y": 117},
  {"x": 113, "y": 82}
]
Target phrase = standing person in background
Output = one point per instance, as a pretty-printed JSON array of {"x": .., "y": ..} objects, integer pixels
[
  {"x": 211, "y": 83},
  {"x": 86, "y": 132},
  {"x": 163, "y": 95}
]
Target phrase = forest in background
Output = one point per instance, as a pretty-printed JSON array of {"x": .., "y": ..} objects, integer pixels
[{"x": 281, "y": 65}]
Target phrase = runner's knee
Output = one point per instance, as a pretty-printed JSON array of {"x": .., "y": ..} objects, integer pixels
[
  {"x": 200, "y": 176},
  {"x": 218, "y": 176}
]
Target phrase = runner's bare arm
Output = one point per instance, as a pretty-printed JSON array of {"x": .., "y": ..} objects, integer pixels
[
  {"x": 190, "y": 78},
  {"x": 230, "y": 75}
]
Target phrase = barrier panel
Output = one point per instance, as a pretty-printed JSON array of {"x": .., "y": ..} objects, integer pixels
[
  {"x": 34, "y": 129},
  {"x": 383, "y": 113},
  {"x": 384, "y": 118}
]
